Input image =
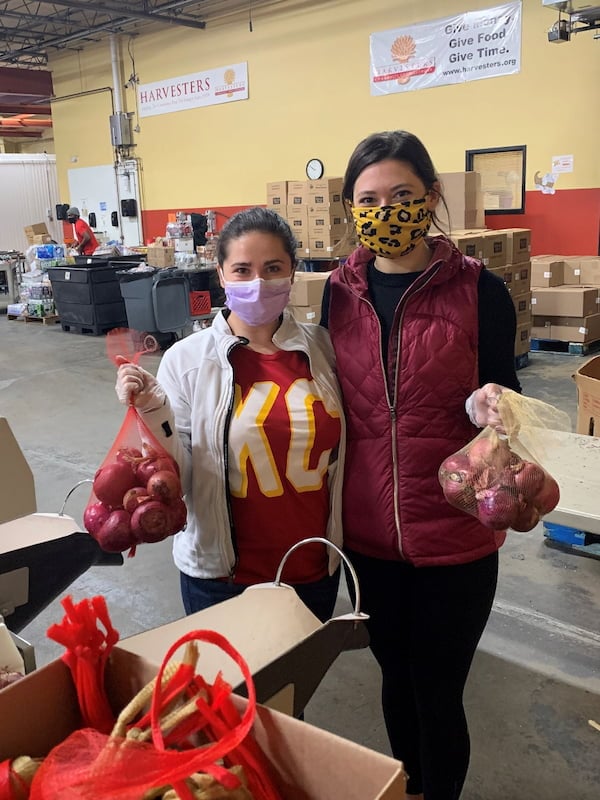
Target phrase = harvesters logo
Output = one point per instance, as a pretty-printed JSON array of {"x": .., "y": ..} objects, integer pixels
[
  {"x": 230, "y": 84},
  {"x": 403, "y": 51}
]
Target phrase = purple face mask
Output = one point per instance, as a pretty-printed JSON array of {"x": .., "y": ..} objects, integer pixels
[{"x": 259, "y": 301}]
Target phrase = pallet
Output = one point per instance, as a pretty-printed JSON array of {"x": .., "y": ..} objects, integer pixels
[
  {"x": 87, "y": 330},
  {"x": 572, "y": 540},
  {"x": 570, "y": 348},
  {"x": 51, "y": 319}
]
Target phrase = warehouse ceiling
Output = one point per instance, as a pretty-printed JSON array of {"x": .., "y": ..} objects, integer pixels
[{"x": 31, "y": 31}]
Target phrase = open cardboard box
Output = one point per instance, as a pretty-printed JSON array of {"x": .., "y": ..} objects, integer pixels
[
  {"x": 307, "y": 763},
  {"x": 40, "y": 554},
  {"x": 288, "y": 650}
]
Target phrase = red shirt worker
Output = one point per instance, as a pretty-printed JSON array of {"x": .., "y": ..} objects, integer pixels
[{"x": 86, "y": 241}]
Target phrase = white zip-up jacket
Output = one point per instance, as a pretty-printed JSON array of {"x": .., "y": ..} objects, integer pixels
[{"x": 193, "y": 426}]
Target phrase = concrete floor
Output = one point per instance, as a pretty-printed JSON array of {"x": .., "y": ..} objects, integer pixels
[{"x": 536, "y": 678}]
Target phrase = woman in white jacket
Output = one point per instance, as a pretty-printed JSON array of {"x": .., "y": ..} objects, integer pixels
[{"x": 251, "y": 410}]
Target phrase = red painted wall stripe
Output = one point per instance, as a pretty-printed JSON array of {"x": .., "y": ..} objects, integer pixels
[{"x": 566, "y": 223}]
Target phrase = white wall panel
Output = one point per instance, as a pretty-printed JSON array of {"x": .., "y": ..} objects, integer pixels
[{"x": 28, "y": 194}]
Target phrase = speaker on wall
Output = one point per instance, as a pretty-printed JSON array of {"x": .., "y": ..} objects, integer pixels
[{"x": 61, "y": 210}]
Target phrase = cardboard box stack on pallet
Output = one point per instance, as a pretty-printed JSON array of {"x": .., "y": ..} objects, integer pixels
[
  {"x": 315, "y": 213},
  {"x": 505, "y": 252},
  {"x": 566, "y": 298}
]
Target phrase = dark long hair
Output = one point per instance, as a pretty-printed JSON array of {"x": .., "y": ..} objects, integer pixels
[
  {"x": 262, "y": 220},
  {"x": 396, "y": 146}
]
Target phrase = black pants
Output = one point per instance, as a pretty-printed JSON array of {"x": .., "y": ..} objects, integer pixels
[{"x": 425, "y": 625}]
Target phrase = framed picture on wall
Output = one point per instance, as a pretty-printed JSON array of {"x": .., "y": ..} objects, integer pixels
[{"x": 502, "y": 171}]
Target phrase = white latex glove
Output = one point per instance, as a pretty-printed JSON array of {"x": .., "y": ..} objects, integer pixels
[
  {"x": 135, "y": 386},
  {"x": 482, "y": 406}
]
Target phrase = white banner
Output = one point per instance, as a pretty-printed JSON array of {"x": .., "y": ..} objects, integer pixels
[
  {"x": 467, "y": 47},
  {"x": 209, "y": 88}
]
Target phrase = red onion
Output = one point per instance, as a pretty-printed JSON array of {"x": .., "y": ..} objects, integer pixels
[
  {"x": 529, "y": 480},
  {"x": 94, "y": 517},
  {"x": 178, "y": 512},
  {"x": 111, "y": 482},
  {"x": 115, "y": 535},
  {"x": 526, "y": 519},
  {"x": 146, "y": 469},
  {"x": 548, "y": 496},
  {"x": 164, "y": 486},
  {"x": 497, "y": 508},
  {"x": 151, "y": 522},
  {"x": 133, "y": 498}
]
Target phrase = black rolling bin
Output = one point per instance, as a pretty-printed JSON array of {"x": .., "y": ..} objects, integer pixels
[{"x": 87, "y": 296}]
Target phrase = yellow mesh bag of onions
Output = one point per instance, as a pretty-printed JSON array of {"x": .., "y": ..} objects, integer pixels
[{"x": 500, "y": 478}]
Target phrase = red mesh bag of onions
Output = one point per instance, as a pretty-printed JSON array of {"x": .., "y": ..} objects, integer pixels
[
  {"x": 136, "y": 493},
  {"x": 499, "y": 477}
]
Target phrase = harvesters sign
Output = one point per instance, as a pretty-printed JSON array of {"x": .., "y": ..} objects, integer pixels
[
  {"x": 466, "y": 47},
  {"x": 208, "y": 88}
]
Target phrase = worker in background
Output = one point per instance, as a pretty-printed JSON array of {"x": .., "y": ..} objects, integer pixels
[{"x": 86, "y": 241}]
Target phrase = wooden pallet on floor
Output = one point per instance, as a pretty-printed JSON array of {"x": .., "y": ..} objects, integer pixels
[
  {"x": 570, "y": 348},
  {"x": 51, "y": 319}
]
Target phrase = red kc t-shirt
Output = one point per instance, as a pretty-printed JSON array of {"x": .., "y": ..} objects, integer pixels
[{"x": 280, "y": 445}]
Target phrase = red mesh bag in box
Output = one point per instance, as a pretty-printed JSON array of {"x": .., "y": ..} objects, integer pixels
[
  {"x": 151, "y": 753},
  {"x": 500, "y": 478},
  {"x": 136, "y": 493}
]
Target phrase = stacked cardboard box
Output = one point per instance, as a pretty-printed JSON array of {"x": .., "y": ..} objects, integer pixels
[
  {"x": 161, "y": 255},
  {"x": 306, "y": 296},
  {"x": 505, "y": 253},
  {"x": 37, "y": 233},
  {"x": 464, "y": 199},
  {"x": 316, "y": 215},
  {"x": 566, "y": 298}
]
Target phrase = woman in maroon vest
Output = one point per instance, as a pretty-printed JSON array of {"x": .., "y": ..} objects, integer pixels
[{"x": 417, "y": 328}]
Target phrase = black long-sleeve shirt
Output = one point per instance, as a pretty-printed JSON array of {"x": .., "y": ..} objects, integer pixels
[{"x": 497, "y": 320}]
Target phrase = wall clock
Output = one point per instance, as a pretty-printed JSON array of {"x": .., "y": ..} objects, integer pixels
[{"x": 315, "y": 169}]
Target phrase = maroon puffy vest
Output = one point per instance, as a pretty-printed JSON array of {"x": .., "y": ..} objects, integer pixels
[{"x": 393, "y": 503}]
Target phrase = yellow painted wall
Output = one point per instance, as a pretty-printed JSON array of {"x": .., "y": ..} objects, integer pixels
[{"x": 308, "y": 67}]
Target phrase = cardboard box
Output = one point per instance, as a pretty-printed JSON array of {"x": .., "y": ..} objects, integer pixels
[
  {"x": 522, "y": 338},
  {"x": 277, "y": 194},
  {"x": 564, "y": 301},
  {"x": 311, "y": 314},
  {"x": 161, "y": 256},
  {"x": 320, "y": 227},
  {"x": 37, "y": 229},
  {"x": 587, "y": 380},
  {"x": 307, "y": 763},
  {"x": 571, "y": 271},
  {"x": 297, "y": 193},
  {"x": 589, "y": 267},
  {"x": 332, "y": 214},
  {"x": 30, "y": 541},
  {"x": 470, "y": 244},
  {"x": 518, "y": 245},
  {"x": 577, "y": 329},
  {"x": 464, "y": 199},
  {"x": 494, "y": 248},
  {"x": 521, "y": 280},
  {"x": 522, "y": 304},
  {"x": 540, "y": 331},
  {"x": 325, "y": 192},
  {"x": 307, "y": 288},
  {"x": 546, "y": 272},
  {"x": 326, "y": 246}
]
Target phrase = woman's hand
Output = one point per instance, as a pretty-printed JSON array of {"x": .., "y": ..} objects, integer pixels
[
  {"x": 135, "y": 386},
  {"x": 482, "y": 406}
]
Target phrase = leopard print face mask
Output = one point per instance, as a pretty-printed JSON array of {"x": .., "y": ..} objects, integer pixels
[{"x": 392, "y": 231}]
